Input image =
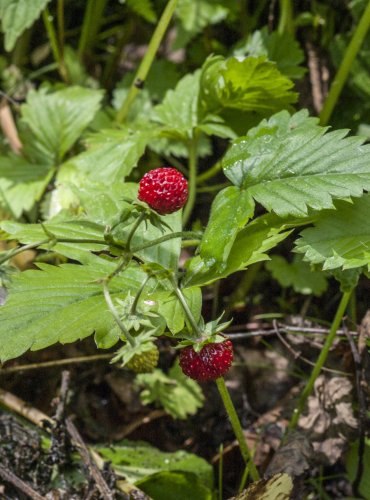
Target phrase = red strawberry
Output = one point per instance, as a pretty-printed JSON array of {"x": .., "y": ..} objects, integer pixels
[
  {"x": 211, "y": 362},
  {"x": 165, "y": 190}
]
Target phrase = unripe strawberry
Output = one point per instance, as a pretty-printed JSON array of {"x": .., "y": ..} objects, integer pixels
[
  {"x": 210, "y": 363},
  {"x": 165, "y": 190},
  {"x": 144, "y": 362}
]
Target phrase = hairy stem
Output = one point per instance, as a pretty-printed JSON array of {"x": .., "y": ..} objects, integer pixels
[
  {"x": 345, "y": 66},
  {"x": 237, "y": 428},
  {"x": 320, "y": 360},
  {"x": 180, "y": 234},
  {"x": 185, "y": 307},
  {"x": 134, "y": 228},
  {"x": 113, "y": 310},
  {"x": 148, "y": 59}
]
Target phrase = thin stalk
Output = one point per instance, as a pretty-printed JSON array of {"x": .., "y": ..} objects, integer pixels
[
  {"x": 286, "y": 18},
  {"x": 92, "y": 19},
  {"x": 113, "y": 310},
  {"x": 55, "y": 363},
  {"x": 138, "y": 295},
  {"x": 320, "y": 360},
  {"x": 214, "y": 187},
  {"x": 47, "y": 18},
  {"x": 345, "y": 67},
  {"x": 60, "y": 18},
  {"x": 12, "y": 253},
  {"x": 148, "y": 59},
  {"x": 237, "y": 428},
  {"x": 186, "y": 308},
  {"x": 220, "y": 472},
  {"x": 134, "y": 228},
  {"x": 211, "y": 172},
  {"x": 192, "y": 148},
  {"x": 181, "y": 234}
]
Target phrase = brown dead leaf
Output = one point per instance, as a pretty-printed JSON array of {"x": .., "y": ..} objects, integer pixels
[
  {"x": 293, "y": 457},
  {"x": 330, "y": 419},
  {"x": 278, "y": 487}
]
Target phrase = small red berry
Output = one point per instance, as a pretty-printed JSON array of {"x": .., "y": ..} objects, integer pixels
[
  {"x": 211, "y": 362},
  {"x": 165, "y": 190}
]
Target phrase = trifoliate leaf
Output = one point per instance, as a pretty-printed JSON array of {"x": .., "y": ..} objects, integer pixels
[
  {"x": 290, "y": 163},
  {"x": 60, "y": 304},
  {"x": 176, "y": 393},
  {"x": 252, "y": 84},
  {"x": 340, "y": 238},
  {"x": 18, "y": 15},
  {"x": 298, "y": 274},
  {"x": 55, "y": 121}
]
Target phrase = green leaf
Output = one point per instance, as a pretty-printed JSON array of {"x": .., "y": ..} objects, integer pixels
[
  {"x": 178, "y": 112},
  {"x": 55, "y": 121},
  {"x": 195, "y": 16},
  {"x": 179, "y": 485},
  {"x": 18, "y": 15},
  {"x": 112, "y": 155},
  {"x": 77, "y": 229},
  {"x": 179, "y": 395},
  {"x": 253, "y": 84},
  {"x": 340, "y": 238},
  {"x": 281, "y": 48},
  {"x": 289, "y": 163},
  {"x": 143, "y": 8},
  {"x": 348, "y": 278},
  {"x": 60, "y": 304},
  {"x": 21, "y": 183},
  {"x": 352, "y": 462},
  {"x": 168, "y": 306},
  {"x": 138, "y": 460},
  {"x": 298, "y": 274},
  {"x": 230, "y": 211},
  {"x": 250, "y": 246}
]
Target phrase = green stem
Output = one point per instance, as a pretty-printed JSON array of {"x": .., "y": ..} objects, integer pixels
[
  {"x": 113, "y": 310},
  {"x": 54, "y": 44},
  {"x": 12, "y": 253},
  {"x": 186, "y": 308},
  {"x": 134, "y": 228},
  {"x": 211, "y": 172},
  {"x": 192, "y": 148},
  {"x": 166, "y": 237},
  {"x": 90, "y": 26},
  {"x": 60, "y": 17},
  {"x": 320, "y": 360},
  {"x": 148, "y": 59},
  {"x": 345, "y": 67},
  {"x": 138, "y": 295},
  {"x": 237, "y": 428},
  {"x": 286, "y": 18}
]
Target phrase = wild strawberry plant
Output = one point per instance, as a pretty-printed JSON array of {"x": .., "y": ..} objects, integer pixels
[{"x": 109, "y": 247}]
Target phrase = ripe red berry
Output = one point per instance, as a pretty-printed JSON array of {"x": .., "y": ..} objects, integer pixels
[
  {"x": 165, "y": 190},
  {"x": 211, "y": 362}
]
